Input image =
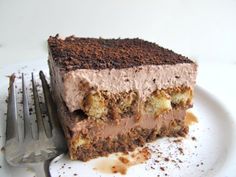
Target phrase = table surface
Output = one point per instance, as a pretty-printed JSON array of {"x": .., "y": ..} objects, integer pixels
[{"x": 203, "y": 30}]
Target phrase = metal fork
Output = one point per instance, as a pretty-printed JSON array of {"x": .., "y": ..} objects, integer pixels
[{"x": 32, "y": 139}]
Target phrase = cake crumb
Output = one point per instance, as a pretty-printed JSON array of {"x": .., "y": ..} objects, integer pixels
[
  {"x": 181, "y": 150},
  {"x": 124, "y": 160},
  {"x": 162, "y": 168},
  {"x": 166, "y": 159},
  {"x": 119, "y": 168},
  {"x": 177, "y": 140}
]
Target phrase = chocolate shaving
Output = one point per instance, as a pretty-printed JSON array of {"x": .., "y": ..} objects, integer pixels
[{"x": 91, "y": 53}]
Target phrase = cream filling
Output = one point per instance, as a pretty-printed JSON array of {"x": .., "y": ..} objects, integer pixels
[
  {"x": 143, "y": 79},
  {"x": 112, "y": 129}
]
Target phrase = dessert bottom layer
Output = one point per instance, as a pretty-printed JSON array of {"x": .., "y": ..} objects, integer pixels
[
  {"x": 169, "y": 124},
  {"x": 127, "y": 142}
]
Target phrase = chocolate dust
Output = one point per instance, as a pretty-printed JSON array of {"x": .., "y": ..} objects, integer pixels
[{"x": 122, "y": 162}]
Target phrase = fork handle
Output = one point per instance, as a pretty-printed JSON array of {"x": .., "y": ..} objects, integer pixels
[{"x": 41, "y": 169}]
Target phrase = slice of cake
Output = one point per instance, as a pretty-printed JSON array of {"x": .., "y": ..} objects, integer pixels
[{"x": 113, "y": 95}]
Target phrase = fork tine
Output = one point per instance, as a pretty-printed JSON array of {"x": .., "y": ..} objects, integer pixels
[
  {"x": 11, "y": 110},
  {"x": 58, "y": 137},
  {"x": 48, "y": 99},
  {"x": 42, "y": 123},
  {"x": 37, "y": 107},
  {"x": 30, "y": 126}
]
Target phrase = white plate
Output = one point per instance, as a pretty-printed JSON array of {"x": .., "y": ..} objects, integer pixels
[{"x": 212, "y": 154}]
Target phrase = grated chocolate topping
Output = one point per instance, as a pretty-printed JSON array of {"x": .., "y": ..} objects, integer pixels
[{"x": 98, "y": 53}]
